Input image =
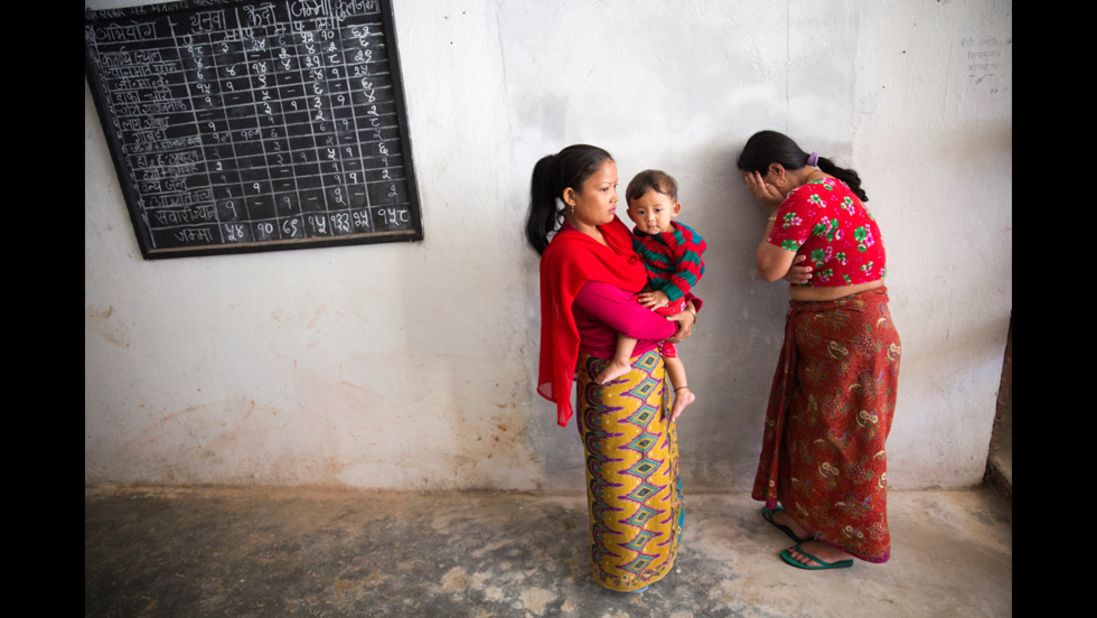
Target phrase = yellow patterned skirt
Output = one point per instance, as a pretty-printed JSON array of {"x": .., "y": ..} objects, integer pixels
[{"x": 633, "y": 489}]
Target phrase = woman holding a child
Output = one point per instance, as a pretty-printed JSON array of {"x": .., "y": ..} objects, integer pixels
[{"x": 590, "y": 275}]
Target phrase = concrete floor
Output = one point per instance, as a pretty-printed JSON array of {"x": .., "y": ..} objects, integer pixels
[{"x": 307, "y": 552}]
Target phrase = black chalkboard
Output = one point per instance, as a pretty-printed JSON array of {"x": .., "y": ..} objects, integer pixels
[{"x": 254, "y": 126}]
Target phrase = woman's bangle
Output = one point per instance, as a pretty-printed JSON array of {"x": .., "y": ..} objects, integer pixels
[
  {"x": 690, "y": 309},
  {"x": 772, "y": 217}
]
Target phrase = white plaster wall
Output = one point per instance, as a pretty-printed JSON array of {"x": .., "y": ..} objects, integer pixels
[{"x": 412, "y": 365}]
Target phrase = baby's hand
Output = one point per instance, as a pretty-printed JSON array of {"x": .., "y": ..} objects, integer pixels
[{"x": 654, "y": 300}]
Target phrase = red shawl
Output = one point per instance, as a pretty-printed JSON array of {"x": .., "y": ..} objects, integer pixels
[{"x": 570, "y": 260}]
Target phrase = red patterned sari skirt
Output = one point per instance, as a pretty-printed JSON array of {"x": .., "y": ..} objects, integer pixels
[{"x": 830, "y": 410}]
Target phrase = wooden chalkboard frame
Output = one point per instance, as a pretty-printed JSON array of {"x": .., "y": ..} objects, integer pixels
[{"x": 127, "y": 179}]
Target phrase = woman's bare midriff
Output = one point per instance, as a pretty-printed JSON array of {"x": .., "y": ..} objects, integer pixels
[{"x": 821, "y": 294}]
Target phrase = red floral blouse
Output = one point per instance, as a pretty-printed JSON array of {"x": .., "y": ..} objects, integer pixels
[{"x": 825, "y": 221}]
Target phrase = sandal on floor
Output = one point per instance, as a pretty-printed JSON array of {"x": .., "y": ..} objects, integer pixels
[{"x": 786, "y": 555}]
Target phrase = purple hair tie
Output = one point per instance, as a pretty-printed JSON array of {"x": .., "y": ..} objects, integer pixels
[{"x": 813, "y": 159}]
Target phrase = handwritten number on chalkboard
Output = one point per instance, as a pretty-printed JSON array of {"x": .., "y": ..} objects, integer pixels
[
  {"x": 341, "y": 221},
  {"x": 256, "y": 186},
  {"x": 289, "y": 228},
  {"x": 392, "y": 216}
]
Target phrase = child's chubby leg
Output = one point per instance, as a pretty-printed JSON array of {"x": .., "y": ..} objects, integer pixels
[
  {"x": 676, "y": 370},
  {"x": 619, "y": 365}
]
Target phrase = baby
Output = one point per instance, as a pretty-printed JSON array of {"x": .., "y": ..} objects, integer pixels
[{"x": 671, "y": 252}]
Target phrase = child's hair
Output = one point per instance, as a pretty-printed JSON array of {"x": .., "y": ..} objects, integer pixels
[{"x": 657, "y": 180}]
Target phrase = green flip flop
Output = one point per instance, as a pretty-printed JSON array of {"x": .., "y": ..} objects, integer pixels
[
  {"x": 767, "y": 515},
  {"x": 837, "y": 564}
]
